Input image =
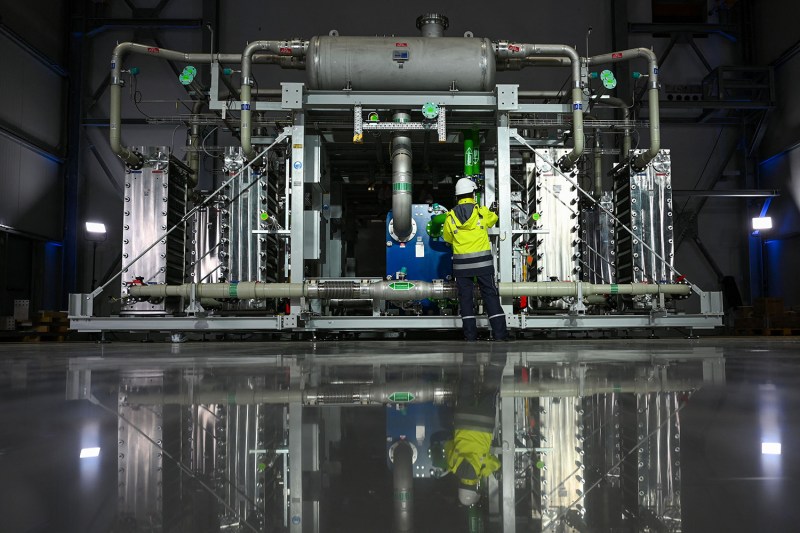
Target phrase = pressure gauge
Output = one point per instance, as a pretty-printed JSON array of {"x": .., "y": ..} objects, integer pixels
[{"x": 430, "y": 111}]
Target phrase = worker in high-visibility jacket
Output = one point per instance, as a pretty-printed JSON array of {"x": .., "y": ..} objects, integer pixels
[
  {"x": 469, "y": 455},
  {"x": 466, "y": 228}
]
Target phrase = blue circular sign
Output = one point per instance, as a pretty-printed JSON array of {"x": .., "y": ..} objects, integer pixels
[
  {"x": 297, "y": 165},
  {"x": 295, "y": 520}
]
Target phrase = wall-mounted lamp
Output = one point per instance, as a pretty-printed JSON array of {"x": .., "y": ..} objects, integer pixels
[{"x": 760, "y": 223}]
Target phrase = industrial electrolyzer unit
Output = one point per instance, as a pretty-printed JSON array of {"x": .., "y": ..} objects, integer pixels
[
  {"x": 584, "y": 239},
  {"x": 584, "y": 242}
]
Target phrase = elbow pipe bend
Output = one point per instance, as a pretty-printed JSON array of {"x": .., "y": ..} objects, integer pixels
[
  {"x": 508, "y": 51},
  {"x": 642, "y": 160},
  {"x": 281, "y": 48}
]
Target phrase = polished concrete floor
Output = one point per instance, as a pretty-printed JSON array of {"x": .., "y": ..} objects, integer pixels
[{"x": 746, "y": 394}]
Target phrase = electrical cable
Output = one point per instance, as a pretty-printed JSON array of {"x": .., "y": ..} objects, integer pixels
[
  {"x": 136, "y": 95},
  {"x": 203, "y": 143}
]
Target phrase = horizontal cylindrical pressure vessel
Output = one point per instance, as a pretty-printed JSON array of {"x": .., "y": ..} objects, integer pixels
[{"x": 400, "y": 63}]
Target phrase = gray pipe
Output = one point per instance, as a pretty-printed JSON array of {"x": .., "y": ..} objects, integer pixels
[
  {"x": 193, "y": 158},
  {"x": 394, "y": 290},
  {"x": 598, "y": 166},
  {"x": 540, "y": 94},
  {"x": 403, "y": 488},
  {"x": 506, "y": 50},
  {"x": 131, "y": 158},
  {"x": 641, "y": 161},
  {"x": 519, "y": 64},
  {"x": 588, "y": 387},
  {"x": 621, "y": 104},
  {"x": 401, "y": 180},
  {"x": 432, "y": 24},
  {"x": 357, "y": 394},
  {"x": 283, "y": 48}
]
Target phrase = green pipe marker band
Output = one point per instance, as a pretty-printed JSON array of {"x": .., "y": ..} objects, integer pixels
[
  {"x": 614, "y": 288},
  {"x": 233, "y": 290},
  {"x": 401, "y": 286},
  {"x": 402, "y": 186},
  {"x": 401, "y": 397}
]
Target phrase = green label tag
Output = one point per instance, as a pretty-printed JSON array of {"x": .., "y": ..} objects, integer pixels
[
  {"x": 401, "y": 186},
  {"x": 401, "y": 397},
  {"x": 233, "y": 290},
  {"x": 614, "y": 288},
  {"x": 401, "y": 286}
]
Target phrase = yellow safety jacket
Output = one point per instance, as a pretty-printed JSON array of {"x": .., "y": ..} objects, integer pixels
[
  {"x": 474, "y": 447},
  {"x": 465, "y": 228}
]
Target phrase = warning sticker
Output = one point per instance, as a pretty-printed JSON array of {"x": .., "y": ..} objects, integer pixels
[
  {"x": 401, "y": 45},
  {"x": 285, "y": 51},
  {"x": 616, "y": 55},
  {"x": 297, "y": 146},
  {"x": 514, "y": 48},
  {"x": 153, "y": 50}
]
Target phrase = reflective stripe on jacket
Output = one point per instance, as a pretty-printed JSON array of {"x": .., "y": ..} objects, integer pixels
[
  {"x": 474, "y": 447},
  {"x": 465, "y": 227}
]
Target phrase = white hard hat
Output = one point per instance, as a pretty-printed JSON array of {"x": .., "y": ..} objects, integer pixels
[
  {"x": 465, "y": 186},
  {"x": 468, "y": 497}
]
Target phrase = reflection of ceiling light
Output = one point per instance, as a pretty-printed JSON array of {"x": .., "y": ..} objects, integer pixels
[
  {"x": 89, "y": 452},
  {"x": 762, "y": 222},
  {"x": 770, "y": 448}
]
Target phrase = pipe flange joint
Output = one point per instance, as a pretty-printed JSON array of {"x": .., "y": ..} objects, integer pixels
[
  {"x": 139, "y": 162},
  {"x": 247, "y": 81},
  {"x": 433, "y": 18},
  {"x": 394, "y": 446},
  {"x": 565, "y": 164}
]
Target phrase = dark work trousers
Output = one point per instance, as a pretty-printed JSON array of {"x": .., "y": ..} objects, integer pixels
[{"x": 491, "y": 299}]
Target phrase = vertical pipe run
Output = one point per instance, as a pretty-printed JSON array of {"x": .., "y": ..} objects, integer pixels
[
  {"x": 469, "y": 148},
  {"x": 401, "y": 180},
  {"x": 598, "y": 166},
  {"x": 403, "y": 488}
]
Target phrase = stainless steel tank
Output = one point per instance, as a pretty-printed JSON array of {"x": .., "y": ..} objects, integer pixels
[{"x": 400, "y": 63}]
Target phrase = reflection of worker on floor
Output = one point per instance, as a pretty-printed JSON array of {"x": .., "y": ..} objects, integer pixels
[{"x": 468, "y": 455}]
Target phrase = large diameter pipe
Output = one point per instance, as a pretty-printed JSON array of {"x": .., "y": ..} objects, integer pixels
[
  {"x": 395, "y": 290},
  {"x": 641, "y": 161},
  {"x": 558, "y": 289},
  {"x": 508, "y": 51},
  {"x": 193, "y": 158},
  {"x": 242, "y": 290},
  {"x": 281, "y": 48},
  {"x": 403, "y": 487},
  {"x": 401, "y": 181},
  {"x": 514, "y": 388},
  {"x": 361, "y": 394}
]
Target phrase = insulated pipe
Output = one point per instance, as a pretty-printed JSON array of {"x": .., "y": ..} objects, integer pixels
[
  {"x": 394, "y": 290},
  {"x": 403, "y": 487},
  {"x": 540, "y": 94},
  {"x": 535, "y": 389},
  {"x": 641, "y": 160},
  {"x": 223, "y": 291},
  {"x": 621, "y": 104},
  {"x": 401, "y": 181},
  {"x": 506, "y": 50},
  {"x": 557, "y": 289},
  {"x": 355, "y": 394},
  {"x": 131, "y": 158},
  {"x": 282, "y": 48}
]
